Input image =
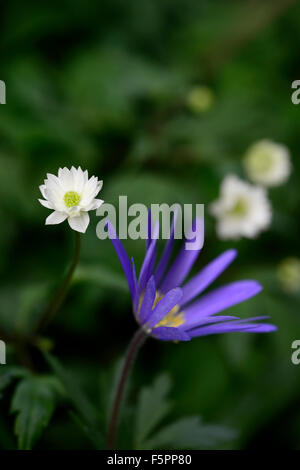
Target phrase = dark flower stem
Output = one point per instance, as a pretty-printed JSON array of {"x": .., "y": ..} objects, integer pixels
[
  {"x": 60, "y": 295},
  {"x": 133, "y": 348}
]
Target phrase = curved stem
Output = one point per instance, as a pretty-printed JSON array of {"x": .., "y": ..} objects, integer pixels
[
  {"x": 60, "y": 295},
  {"x": 135, "y": 344}
]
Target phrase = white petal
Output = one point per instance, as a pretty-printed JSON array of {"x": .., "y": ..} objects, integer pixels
[
  {"x": 54, "y": 185},
  {"x": 74, "y": 172},
  {"x": 95, "y": 204},
  {"x": 79, "y": 181},
  {"x": 74, "y": 211},
  {"x": 46, "y": 204},
  {"x": 80, "y": 224},
  {"x": 56, "y": 199},
  {"x": 43, "y": 190},
  {"x": 56, "y": 218},
  {"x": 91, "y": 190},
  {"x": 53, "y": 181},
  {"x": 66, "y": 179},
  {"x": 99, "y": 185},
  {"x": 62, "y": 172}
]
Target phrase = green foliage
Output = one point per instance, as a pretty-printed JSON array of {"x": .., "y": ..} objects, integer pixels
[
  {"x": 186, "y": 433},
  {"x": 10, "y": 373},
  {"x": 101, "y": 276},
  {"x": 34, "y": 403},
  {"x": 190, "y": 433},
  {"x": 22, "y": 305},
  {"x": 89, "y": 418},
  {"x": 153, "y": 405},
  {"x": 104, "y": 85}
]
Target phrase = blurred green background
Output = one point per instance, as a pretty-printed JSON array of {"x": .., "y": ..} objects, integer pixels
[{"x": 105, "y": 85}]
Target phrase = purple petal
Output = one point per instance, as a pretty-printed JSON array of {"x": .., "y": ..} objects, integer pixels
[
  {"x": 220, "y": 299},
  {"x": 152, "y": 231},
  {"x": 152, "y": 262},
  {"x": 181, "y": 266},
  {"x": 252, "y": 319},
  {"x": 231, "y": 327},
  {"x": 123, "y": 257},
  {"x": 164, "y": 306},
  {"x": 136, "y": 291},
  {"x": 149, "y": 261},
  {"x": 165, "y": 258},
  {"x": 166, "y": 333},
  {"x": 149, "y": 297},
  {"x": 263, "y": 328},
  {"x": 208, "y": 320},
  {"x": 149, "y": 239},
  {"x": 206, "y": 276}
]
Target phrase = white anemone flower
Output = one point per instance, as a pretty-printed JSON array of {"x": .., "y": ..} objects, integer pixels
[
  {"x": 267, "y": 163},
  {"x": 71, "y": 195},
  {"x": 242, "y": 210}
]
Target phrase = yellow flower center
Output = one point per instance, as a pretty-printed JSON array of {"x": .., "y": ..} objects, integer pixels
[
  {"x": 174, "y": 317},
  {"x": 72, "y": 199}
]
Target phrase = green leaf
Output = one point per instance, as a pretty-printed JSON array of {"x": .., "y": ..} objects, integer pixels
[
  {"x": 152, "y": 407},
  {"x": 7, "y": 374},
  {"x": 94, "y": 435},
  {"x": 20, "y": 306},
  {"x": 87, "y": 411},
  {"x": 5, "y": 380},
  {"x": 102, "y": 276},
  {"x": 108, "y": 381},
  {"x": 186, "y": 433},
  {"x": 34, "y": 402},
  {"x": 190, "y": 433}
]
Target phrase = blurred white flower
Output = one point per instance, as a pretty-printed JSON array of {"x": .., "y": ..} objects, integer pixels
[
  {"x": 200, "y": 99},
  {"x": 288, "y": 273},
  {"x": 71, "y": 195},
  {"x": 268, "y": 163},
  {"x": 242, "y": 210}
]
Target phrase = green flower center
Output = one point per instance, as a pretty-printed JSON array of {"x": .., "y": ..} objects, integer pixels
[
  {"x": 240, "y": 209},
  {"x": 263, "y": 161},
  {"x": 72, "y": 199}
]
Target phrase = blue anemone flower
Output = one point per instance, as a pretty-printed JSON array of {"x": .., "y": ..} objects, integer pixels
[{"x": 170, "y": 309}]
